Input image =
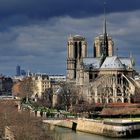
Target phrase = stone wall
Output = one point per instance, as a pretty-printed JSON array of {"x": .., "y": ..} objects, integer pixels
[
  {"x": 63, "y": 123},
  {"x": 111, "y": 128},
  {"x": 90, "y": 126}
]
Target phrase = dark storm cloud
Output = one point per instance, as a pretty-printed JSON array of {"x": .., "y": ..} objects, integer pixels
[
  {"x": 33, "y": 33},
  {"x": 51, "y": 8}
]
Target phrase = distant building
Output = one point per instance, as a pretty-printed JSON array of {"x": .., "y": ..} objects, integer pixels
[
  {"x": 6, "y": 84},
  {"x": 23, "y": 72},
  {"x": 41, "y": 82},
  {"x": 55, "y": 81},
  {"x": 17, "y": 70},
  {"x": 57, "y": 78}
]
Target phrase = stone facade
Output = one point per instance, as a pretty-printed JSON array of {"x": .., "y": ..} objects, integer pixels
[
  {"x": 98, "y": 46},
  {"x": 76, "y": 50},
  {"x": 42, "y": 83}
]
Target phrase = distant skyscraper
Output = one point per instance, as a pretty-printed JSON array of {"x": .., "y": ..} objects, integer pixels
[
  {"x": 17, "y": 70},
  {"x": 23, "y": 72}
]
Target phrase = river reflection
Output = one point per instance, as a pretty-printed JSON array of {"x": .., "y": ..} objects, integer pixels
[{"x": 59, "y": 133}]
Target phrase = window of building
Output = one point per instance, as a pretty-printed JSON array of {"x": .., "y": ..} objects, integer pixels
[
  {"x": 119, "y": 100},
  {"x": 76, "y": 49},
  {"x": 110, "y": 100},
  {"x": 80, "y": 49},
  {"x": 90, "y": 76},
  {"x": 125, "y": 100},
  {"x": 96, "y": 75}
]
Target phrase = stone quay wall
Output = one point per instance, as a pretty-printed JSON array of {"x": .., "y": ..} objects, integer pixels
[
  {"x": 83, "y": 125},
  {"x": 98, "y": 127},
  {"x": 62, "y": 123}
]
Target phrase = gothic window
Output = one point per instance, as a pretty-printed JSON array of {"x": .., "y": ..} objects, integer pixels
[
  {"x": 119, "y": 92},
  {"x": 90, "y": 76},
  {"x": 92, "y": 93},
  {"x": 103, "y": 100},
  {"x": 98, "y": 100},
  {"x": 119, "y": 100},
  {"x": 80, "y": 49},
  {"x": 76, "y": 49},
  {"x": 93, "y": 101},
  {"x": 119, "y": 78},
  {"x": 125, "y": 100},
  {"x": 74, "y": 74},
  {"x": 131, "y": 99},
  {"x": 110, "y": 91},
  {"x": 71, "y": 43},
  {"x": 95, "y": 75},
  {"x": 94, "y": 51},
  {"x": 110, "y": 100}
]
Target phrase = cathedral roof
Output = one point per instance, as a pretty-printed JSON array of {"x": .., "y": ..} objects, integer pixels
[
  {"x": 127, "y": 62},
  {"x": 91, "y": 63},
  {"x": 112, "y": 62}
]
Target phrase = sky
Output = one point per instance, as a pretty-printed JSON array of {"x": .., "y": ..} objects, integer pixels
[{"x": 34, "y": 33}]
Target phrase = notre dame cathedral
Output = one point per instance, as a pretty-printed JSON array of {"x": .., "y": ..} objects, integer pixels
[{"x": 105, "y": 77}]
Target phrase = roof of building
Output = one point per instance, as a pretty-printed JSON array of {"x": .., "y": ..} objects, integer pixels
[
  {"x": 112, "y": 62},
  {"x": 93, "y": 63},
  {"x": 126, "y": 62},
  {"x": 77, "y": 37},
  {"x": 101, "y": 37}
]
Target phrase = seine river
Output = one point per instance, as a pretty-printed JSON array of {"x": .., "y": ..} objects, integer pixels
[{"x": 59, "y": 133}]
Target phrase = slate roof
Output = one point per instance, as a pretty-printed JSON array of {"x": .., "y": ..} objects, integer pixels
[
  {"x": 112, "y": 62},
  {"x": 93, "y": 63},
  {"x": 126, "y": 61}
]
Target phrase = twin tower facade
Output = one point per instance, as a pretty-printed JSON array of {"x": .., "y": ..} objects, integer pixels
[{"x": 77, "y": 50}]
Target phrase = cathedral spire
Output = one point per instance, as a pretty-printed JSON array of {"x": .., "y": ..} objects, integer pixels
[
  {"x": 104, "y": 24},
  {"x": 105, "y": 39}
]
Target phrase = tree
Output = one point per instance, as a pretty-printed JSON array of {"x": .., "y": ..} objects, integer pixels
[
  {"x": 16, "y": 89},
  {"x": 23, "y": 125},
  {"x": 48, "y": 96},
  {"x": 24, "y": 88},
  {"x": 68, "y": 96},
  {"x": 46, "y": 100},
  {"x": 72, "y": 99}
]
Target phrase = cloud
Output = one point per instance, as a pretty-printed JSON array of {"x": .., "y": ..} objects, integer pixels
[
  {"x": 46, "y": 9},
  {"x": 41, "y": 45}
]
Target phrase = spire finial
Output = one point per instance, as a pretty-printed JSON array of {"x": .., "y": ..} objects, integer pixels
[
  {"x": 132, "y": 59},
  {"x": 105, "y": 39},
  {"x": 104, "y": 25}
]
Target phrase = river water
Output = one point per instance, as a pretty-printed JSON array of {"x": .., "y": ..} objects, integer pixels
[{"x": 59, "y": 133}]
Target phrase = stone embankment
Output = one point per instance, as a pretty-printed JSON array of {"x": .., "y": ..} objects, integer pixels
[
  {"x": 111, "y": 128},
  {"x": 62, "y": 123}
]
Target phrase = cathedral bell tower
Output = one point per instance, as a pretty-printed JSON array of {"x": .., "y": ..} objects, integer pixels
[{"x": 76, "y": 50}]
